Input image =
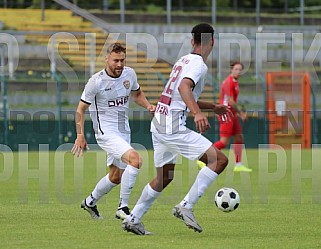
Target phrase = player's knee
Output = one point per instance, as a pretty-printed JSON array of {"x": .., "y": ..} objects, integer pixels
[
  {"x": 222, "y": 161},
  {"x": 135, "y": 160}
]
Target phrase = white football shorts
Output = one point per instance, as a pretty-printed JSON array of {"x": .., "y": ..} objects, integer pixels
[
  {"x": 189, "y": 144},
  {"x": 115, "y": 144}
]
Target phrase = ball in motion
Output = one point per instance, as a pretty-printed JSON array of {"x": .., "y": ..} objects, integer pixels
[{"x": 227, "y": 199}]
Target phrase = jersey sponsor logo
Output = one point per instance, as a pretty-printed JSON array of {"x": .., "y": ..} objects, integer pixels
[
  {"x": 118, "y": 102},
  {"x": 107, "y": 89},
  {"x": 162, "y": 109},
  {"x": 126, "y": 84}
]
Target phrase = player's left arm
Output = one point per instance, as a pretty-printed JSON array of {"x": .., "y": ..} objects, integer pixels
[
  {"x": 204, "y": 105},
  {"x": 140, "y": 99},
  {"x": 218, "y": 109},
  {"x": 201, "y": 122}
]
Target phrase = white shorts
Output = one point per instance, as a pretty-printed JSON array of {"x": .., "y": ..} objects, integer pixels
[
  {"x": 115, "y": 145},
  {"x": 189, "y": 144}
]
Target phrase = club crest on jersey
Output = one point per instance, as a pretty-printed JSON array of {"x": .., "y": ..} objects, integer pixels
[{"x": 126, "y": 84}]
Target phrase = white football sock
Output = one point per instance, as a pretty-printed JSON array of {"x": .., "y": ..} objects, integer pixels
[
  {"x": 127, "y": 183},
  {"x": 144, "y": 202},
  {"x": 203, "y": 180},
  {"x": 102, "y": 188}
]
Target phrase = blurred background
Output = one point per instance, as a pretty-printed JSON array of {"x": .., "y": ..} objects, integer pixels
[{"x": 49, "y": 49}]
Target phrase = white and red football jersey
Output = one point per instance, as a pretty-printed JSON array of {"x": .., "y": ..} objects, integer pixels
[
  {"x": 109, "y": 98},
  {"x": 171, "y": 111}
]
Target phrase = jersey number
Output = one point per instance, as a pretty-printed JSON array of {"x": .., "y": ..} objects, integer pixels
[{"x": 166, "y": 97}]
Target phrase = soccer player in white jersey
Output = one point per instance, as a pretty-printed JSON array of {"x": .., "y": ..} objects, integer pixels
[
  {"x": 171, "y": 137},
  {"x": 107, "y": 94}
]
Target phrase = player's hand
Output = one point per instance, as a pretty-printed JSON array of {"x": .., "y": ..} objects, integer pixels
[
  {"x": 223, "y": 109},
  {"x": 224, "y": 112},
  {"x": 151, "y": 109},
  {"x": 201, "y": 122},
  {"x": 79, "y": 146}
]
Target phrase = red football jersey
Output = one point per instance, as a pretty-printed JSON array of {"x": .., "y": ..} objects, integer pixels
[{"x": 229, "y": 88}]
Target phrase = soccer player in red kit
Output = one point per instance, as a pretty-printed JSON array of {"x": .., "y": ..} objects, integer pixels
[{"x": 228, "y": 96}]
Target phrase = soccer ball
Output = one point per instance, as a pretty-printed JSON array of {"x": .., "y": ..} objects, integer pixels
[{"x": 227, "y": 199}]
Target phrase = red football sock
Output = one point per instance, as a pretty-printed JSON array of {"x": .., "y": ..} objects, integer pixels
[
  {"x": 238, "y": 147},
  {"x": 219, "y": 145}
]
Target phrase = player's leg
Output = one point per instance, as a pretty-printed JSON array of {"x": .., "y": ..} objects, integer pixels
[
  {"x": 226, "y": 130},
  {"x": 133, "y": 163},
  {"x": 164, "y": 175},
  {"x": 116, "y": 145},
  {"x": 104, "y": 186},
  {"x": 128, "y": 160},
  {"x": 216, "y": 162},
  {"x": 238, "y": 147}
]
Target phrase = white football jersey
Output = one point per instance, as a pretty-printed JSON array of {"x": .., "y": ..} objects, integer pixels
[
  {"x": 109, "y": 98},
  {"x": 171, "y": 111}
]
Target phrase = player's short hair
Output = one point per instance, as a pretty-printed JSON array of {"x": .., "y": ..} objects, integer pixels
[
  {"x": 116, "y": 48},
  {"x": 202, "y": 33},
  {"x": 236, "y": 63}
]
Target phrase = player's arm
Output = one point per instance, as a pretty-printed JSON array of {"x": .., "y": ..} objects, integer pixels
[
  {"x": 232, "y": 103},
  {"x": 239, "y": 110},
  {"x": 203, "y": 105},
  {"x": 80, "y": 142},
  {"x": 218, "y": 109},
  {"x": 140, "y": 99},
  {"x": 185, "y": 90}
]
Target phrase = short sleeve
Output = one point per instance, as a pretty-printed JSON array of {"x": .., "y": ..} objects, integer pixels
[
  {"x": 227, "y": 87},
  {"x": 135, "y": 86},
  {"x": 195, "y": 70},
  {"x": 90, "y": 91}
]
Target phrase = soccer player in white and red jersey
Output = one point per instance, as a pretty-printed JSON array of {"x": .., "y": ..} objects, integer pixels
[
  {"x": 107, "y": 94},
  {"x": 228, "y": 96},
  {"x": 171, "y": 137}
]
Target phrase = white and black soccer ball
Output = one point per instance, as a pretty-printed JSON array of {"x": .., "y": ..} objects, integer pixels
[{"x": 227, "y": 199}]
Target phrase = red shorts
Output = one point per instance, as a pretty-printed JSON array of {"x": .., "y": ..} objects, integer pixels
[{"x": 231, "y": 128}]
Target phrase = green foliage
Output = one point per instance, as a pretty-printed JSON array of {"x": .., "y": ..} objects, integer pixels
[
  {"x": 152, "y": 8},
  {"x": 152, "y": 5}
]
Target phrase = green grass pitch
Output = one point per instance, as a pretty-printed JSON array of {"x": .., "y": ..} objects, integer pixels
[{"x": 40, "y": 195}]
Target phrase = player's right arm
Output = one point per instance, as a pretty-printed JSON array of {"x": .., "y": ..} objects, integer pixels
[
  {"x": 240, "y": 112},
  {"x": 86, "y": 99},
  {"x": 232, "y": 103},
  {"x": 185, "y": 90},
  {"x": 80, "y": 142}
]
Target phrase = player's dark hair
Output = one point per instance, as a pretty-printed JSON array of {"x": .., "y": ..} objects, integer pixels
[
  {"x": 202, "y": 33},
  {"x": 116, "y": 48},
  {"x": 236, "y": 63}
]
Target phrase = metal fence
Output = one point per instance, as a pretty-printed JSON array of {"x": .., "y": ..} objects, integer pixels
[{"x": 269, "y": 49}]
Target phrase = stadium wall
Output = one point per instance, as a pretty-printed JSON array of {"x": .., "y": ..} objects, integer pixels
[
  {"x": 168, "y": 47},
  {"x": 37, "y": 132}
]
